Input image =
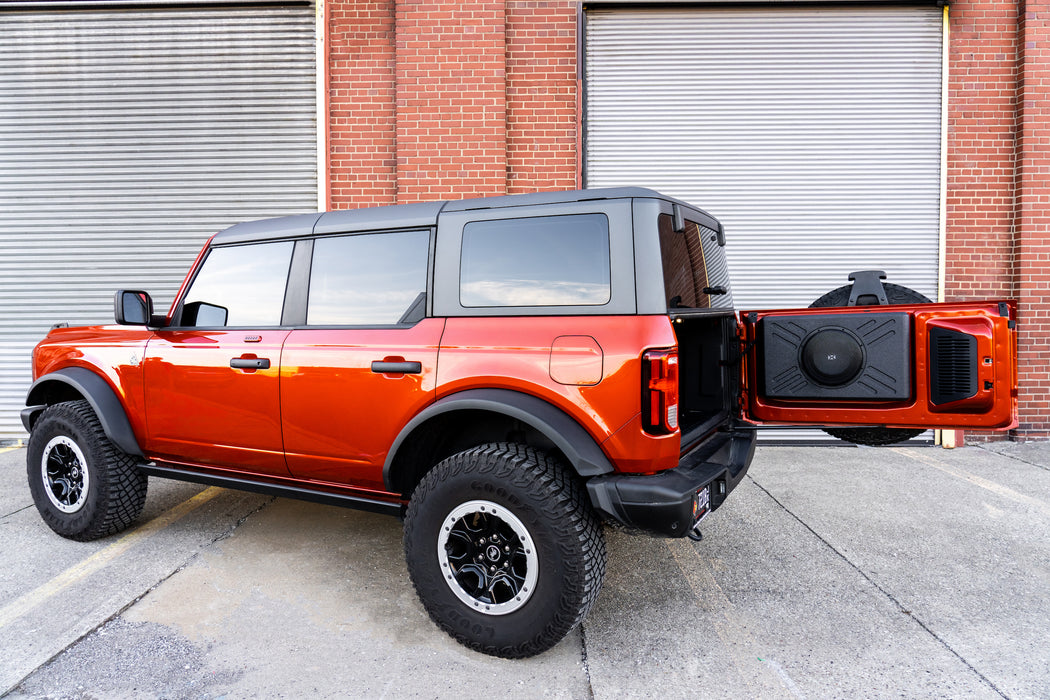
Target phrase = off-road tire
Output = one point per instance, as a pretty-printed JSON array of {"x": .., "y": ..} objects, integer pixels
[
  {"x": 895, "y": 294},
  {"x": 873, "y": 437},
  {"x": 538, "y": 493},
  {"x": 115, "y": 489}
]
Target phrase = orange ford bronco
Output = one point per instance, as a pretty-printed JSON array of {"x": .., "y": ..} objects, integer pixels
[{"x": 505, "y": 374}]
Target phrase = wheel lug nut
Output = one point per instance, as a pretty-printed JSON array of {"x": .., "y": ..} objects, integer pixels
[
  {"x": 492, "y": 569},
  {"x": 506, "y": 549}
]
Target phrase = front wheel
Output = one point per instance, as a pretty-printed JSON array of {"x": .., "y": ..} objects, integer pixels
[
  {"x": 504, "y": 549},
  {"x": 83, "y": 485}
]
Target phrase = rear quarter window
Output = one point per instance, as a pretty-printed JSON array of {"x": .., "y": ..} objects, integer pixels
[{"x": 536, "y": 261}]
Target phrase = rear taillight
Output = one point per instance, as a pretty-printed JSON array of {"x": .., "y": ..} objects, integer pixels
[{"x": 660, "y": 391}]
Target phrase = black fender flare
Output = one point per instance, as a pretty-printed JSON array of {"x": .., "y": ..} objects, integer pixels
[
  {"x": 582, "y": 452},
  {"x": 98, "y": 393}
]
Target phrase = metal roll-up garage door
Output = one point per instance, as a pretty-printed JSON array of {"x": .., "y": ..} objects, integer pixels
[
  {"x": 814, "y": 134},
  {"x": 129, "y": 135}
]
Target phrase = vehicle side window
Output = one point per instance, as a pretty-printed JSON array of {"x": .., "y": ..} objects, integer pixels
[
  {"x": 367, "y": 279},
  {"x": 536, "y": 261},
  {"x": 685, "y": 269},
  {"x": 239, "y": 286}
]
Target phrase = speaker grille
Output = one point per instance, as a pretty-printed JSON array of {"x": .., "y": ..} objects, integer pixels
[{"x": 953, "y": 366}]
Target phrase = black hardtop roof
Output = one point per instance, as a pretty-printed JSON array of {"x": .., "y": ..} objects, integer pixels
[{"x": 424, "y": 214}]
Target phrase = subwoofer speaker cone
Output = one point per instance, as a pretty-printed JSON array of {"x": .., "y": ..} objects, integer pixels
[{"x": 832, "y": 356}]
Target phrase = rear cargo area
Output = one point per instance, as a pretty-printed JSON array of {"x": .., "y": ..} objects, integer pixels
[{"x": 708, "y": 370}]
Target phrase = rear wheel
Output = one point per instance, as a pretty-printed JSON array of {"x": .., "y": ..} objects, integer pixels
[
  {"x": 83, "y": 485},
  {"x": 504, "y": 549},
  {"x": 874, "y": 437}
]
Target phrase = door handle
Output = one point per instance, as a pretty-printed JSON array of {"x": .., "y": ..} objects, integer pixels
[
  {"x": 250, "y": 363},
  {"x": 382, "y": 367}
]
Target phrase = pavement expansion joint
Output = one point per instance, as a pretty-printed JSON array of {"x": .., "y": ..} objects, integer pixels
[
  {"x": 181, "y": 567},
  {"x": 190, "y": 559},
  {"x": 229, "y": 532},
  {"x": 15, "y": 512},
  {"x": 583, "y": 659},
  {"x": 893, "y": 599},
  {"x": 1015, "y": 458}
]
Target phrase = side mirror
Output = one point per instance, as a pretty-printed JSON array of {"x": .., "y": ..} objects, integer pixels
[
  {"x": 132, "y": 308},
  {"x": 201, "y": 314}
]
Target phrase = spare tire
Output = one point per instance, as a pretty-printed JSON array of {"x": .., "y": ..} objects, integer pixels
[{"x": 875, "y": 436}]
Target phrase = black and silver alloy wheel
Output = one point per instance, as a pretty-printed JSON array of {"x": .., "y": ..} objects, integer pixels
[
  {"x": 63, "y": 469},
  {"x": 488, "y": 558}
]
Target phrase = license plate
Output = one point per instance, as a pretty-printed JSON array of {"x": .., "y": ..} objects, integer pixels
[{"x": 703, "y": 504}]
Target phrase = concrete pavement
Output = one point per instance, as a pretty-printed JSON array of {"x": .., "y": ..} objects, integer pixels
[{"x": 831, "y": 572}]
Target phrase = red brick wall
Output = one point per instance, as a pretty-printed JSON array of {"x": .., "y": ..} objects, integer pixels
[
  {"x": 435, "y": 100},
  {"x": 541, "y": 96},
  {"x": 1032, "y": 217},
  {"x": 998, "y": 190},
  {"x": 361, "y": 93},
  {"x": 981, "y": 99},
  {"x": 451, "y": 100}
]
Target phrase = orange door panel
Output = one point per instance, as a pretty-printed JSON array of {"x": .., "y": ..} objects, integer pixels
[
  {"x": 212, "y": 397},
  {"x": 914, "y": 366},
  {"x": 346, "y": 394}
]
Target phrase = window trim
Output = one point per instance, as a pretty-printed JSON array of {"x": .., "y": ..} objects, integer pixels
[{"x": 296, "y": 294}]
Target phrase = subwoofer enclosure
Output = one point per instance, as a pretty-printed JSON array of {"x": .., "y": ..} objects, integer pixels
[{"x": 855, "y": 356}]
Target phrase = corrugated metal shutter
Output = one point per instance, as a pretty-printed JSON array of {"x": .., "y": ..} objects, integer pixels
[
  {"x": 812, "y": 133},
  {"x": 127, "y": 138}
]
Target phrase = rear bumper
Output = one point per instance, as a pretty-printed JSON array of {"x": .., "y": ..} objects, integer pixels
[{"x": 662, "y": 503}]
